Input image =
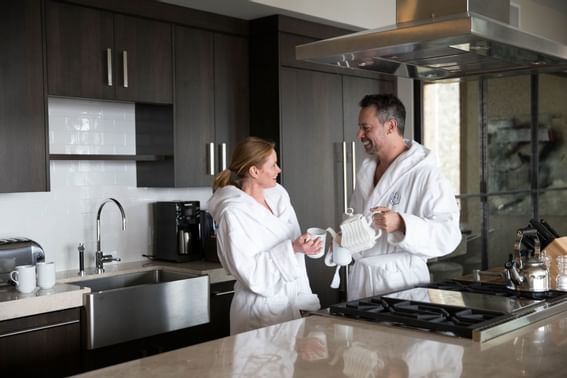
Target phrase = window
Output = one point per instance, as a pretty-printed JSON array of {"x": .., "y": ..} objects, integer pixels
[{"x": 503, "y": 143}]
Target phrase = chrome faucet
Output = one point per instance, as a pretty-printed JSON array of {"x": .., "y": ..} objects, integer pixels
[{"x": 100, "y": 257}]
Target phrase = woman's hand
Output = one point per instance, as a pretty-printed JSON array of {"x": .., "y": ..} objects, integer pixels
[
  {"x": 387, "y": 220},
  {"x": 306, "y": 245}
]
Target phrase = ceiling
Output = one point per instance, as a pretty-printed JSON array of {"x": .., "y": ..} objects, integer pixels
[
  {"x": 244, "y": 9},
  {"x": 349, "y": 15},
  {"x": 251, "y": 9},
  {"x": 330, "y": 12},
  {"x": 559, "y": 5}
]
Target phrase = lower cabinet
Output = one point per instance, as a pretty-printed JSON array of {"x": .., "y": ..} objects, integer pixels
[
  {"x": 46, "y": 345},
  {"x": 219, "y": 326}
]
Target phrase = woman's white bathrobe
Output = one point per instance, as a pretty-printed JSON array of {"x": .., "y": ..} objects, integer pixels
[
  {"x": 414, "y": 187},
  {"x": 255, "y": 246}
]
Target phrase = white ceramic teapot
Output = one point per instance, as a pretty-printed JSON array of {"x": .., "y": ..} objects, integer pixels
[{"x": 357, "y": 233}]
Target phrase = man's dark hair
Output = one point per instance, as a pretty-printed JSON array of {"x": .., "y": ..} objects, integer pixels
[{"x": 388, "y": 106}]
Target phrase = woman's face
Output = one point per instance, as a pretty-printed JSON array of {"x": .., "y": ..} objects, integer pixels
[{"x": 269, "y": 171}]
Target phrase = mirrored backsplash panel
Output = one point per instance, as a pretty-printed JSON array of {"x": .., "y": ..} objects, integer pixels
[{"x": 510, "y": 134}]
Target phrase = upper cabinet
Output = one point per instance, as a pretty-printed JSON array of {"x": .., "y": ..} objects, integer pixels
[
  {"x": 211, "y": 112},
  {"x": 23, "y": 133},
  {"x": 97, "y": 54}
]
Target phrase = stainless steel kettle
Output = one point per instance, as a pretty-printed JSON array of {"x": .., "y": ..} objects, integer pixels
[{"x": 528, "y": 273}]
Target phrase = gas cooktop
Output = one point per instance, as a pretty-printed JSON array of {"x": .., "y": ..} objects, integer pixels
[{"x": 467, "y": 309}]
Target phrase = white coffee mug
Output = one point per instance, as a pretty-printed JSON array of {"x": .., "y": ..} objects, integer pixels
[
  {"x": 317, "y": 233},
  {"x": 24, "y": 277},
  {"x": 46, "y": 275}
]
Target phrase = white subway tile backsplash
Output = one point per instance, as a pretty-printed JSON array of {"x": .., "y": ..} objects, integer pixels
[
  {"x": 66, "y": 216},
  {"x": 91, "y": 127}
]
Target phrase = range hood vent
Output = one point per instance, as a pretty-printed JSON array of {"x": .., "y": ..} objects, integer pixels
[{"x": 442, "y": 39}]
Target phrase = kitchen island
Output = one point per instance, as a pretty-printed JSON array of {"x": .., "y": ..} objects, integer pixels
[{"x": 323, "y": 346}]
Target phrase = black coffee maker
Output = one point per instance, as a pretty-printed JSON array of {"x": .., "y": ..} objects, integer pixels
[{"x": 177, "y": 231}]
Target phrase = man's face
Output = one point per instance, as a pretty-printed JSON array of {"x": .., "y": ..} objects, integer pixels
[{"x": 371, "y": 132}]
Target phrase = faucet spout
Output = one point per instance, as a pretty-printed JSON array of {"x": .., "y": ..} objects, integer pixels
[{"x": 100, "y": 259}]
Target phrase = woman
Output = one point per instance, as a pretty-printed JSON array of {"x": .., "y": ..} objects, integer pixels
[{"x": 259, "y": 241}]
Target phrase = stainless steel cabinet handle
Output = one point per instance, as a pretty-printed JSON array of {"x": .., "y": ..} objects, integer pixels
[
  {"x": 223, "y": 156},
  {"x": 41, "y": 328},
  {"x": 211, "y": 159},
  {"x": 219, "y": 293},
  {"x": 353, "y": 148},
  {"x": 109, "y": 66},
  {"x": 125, "y": 67},
  {"x": 345, "y": 199}
]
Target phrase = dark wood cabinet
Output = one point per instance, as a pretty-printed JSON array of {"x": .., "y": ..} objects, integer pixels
[
  {"x": 194, "y": 106},
  {"x": 211, "y": 110},
  {"x": 24, "y": 166},
  {"x": 311, "y": 132},
  {"x": 98, "y": 54},
  {"x": 219, "y": 325},
  {"x": 232, "y": 94},
  {"x": 311, "y": 112},
  {"x": 46, "y": 345},
  {"x": 144, "y": 49}
]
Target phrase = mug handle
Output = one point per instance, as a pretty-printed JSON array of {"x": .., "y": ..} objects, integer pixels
[
  {"x": 369, "y": 216},
  {"x": 12, "y": 274},
  {"x": 378, "y": 234},
  {"x": 378, "y": 231}
]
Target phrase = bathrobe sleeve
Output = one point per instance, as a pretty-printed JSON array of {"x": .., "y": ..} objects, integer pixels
[
  {"x": 262, "y": 269},
  {"x": 432, "y": 230}
]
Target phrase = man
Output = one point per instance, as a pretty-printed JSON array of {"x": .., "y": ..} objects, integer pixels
[{"x": 414, "y": 203}]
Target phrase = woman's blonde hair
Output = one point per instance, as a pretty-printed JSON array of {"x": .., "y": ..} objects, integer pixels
[{"x": 251, "y": 152}]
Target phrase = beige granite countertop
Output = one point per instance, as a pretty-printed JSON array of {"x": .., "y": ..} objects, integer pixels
[
  {"x": 330, "y": 347},
  {"x": 68, "y": 293},
  {"x": 14, "y": 304}
]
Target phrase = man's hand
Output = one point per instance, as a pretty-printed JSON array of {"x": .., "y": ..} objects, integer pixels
[{"x": 387, "y": 220}]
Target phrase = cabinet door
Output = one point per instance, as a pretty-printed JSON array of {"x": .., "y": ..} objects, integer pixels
[
  {"x": 46, "y": 345},
  {"x": 143, "y": 60},
  {"x": 354, "y": 89},
  {"x": 219, "y": 325},
  {"x": 23, "y": 136},
  {"x": 232, "y": 94},
  {"x": 311, "y": 159},
  {"x": 211, "y": 102},
  {"x": 194, "y": 106},
  {"x": 78, "y": 40}
]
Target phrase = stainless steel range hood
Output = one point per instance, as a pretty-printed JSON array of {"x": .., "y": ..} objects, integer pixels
[{"x": 442, "y": 39}]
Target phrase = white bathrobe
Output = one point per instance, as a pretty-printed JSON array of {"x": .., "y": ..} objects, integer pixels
[
  {"x": 255, "y": 246},
  {"x": 414, "y": 187}
]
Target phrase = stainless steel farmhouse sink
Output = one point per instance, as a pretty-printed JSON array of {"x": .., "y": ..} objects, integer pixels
[{"x": 129, "y": 306}]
